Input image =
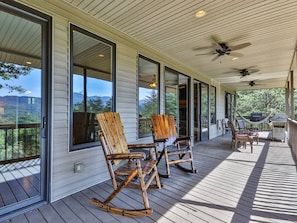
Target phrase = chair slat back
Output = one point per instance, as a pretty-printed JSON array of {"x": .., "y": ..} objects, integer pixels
[
  {"x": 113, "y": 132},
  {"x": 164, "y": 127},
  {"x": 241, "y": 124}
]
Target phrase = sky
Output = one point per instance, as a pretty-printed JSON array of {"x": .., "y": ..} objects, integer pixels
[{"x": 32, "y": 84}]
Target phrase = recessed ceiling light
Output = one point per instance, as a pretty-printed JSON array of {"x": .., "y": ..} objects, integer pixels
[
  {"x": 29, "y": 63},
  {"x": 234, "y": 58},
  {"x": 101, "y": 55},
  {"x": 200, "y": 14}
]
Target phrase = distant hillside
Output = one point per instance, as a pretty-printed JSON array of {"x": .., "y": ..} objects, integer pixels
[
  {"x": 78, "y": 97},
  {"x": 26, "y": 109}
]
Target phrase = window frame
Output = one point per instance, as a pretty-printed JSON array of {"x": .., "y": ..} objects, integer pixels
[
  {"x": 158, "y": 89},
  {"x": 113, "y": 83}
]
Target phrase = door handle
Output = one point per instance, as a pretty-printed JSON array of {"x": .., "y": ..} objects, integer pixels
[{"x": 44, "y": 127}]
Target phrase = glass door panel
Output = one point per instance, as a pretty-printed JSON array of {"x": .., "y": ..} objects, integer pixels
[
  {"x": 204, "y": 112},
  {"x": 21, "y": 111},
  {"x": 183, "y": 124},
  {"x": 201, "y": 111},
  {"x": 197, "y": 102},
  {"x": 177, "y": 99}
]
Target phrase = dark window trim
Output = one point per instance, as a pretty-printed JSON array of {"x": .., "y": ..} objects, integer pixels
[{"x": 72, "y": 147}]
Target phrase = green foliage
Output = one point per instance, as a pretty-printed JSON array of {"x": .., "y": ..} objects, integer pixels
[
  {"x": 150, "y": 105},
  {"x": 264, "y": 101},
  {"x": 171, "y": 104},
  {"x": 9, "y": 71},
  {"x": 93, "y": 106}
]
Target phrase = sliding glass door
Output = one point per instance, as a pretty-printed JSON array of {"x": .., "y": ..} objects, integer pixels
[
  {"x": 23, "y": 107},
  {"x": 177, "y": 99},
  {"x": 201, "y": 111}
]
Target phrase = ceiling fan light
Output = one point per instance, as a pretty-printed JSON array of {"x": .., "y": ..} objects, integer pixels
[
  {"x": 153, "y": 85},
  {"x": 200, "y": 14}
]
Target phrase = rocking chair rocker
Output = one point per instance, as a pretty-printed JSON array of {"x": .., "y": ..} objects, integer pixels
[
  {"x": 177, "y": 148},
  {"x": 136, "y": 168}
]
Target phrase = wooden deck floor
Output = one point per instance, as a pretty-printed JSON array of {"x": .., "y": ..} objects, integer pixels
[
  {"x": 19, "y": 181},
  {"x": 230, "y": 186}
]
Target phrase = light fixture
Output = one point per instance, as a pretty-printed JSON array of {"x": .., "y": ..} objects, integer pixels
[
  {"x": 101, "y": 55},
  {"x": 29, "y": 63},
  {"x": 153, "y": 84},
  {"x": 234, "y": 58},
  {"x": 200, "y": 14}
]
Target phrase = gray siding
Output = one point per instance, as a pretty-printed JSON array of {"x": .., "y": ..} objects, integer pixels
[{"x": 63, "y": 180}]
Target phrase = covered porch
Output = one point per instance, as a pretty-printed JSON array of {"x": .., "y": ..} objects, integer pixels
[{"x": 230, "y": 186}]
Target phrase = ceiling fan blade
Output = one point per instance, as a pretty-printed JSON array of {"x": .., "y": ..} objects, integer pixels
[
  {"x": 240, "y": 46},
  {"x": 215, "y": 58},
  {"x": 204, "y": 54},
  {"x": 254, "y": 71},
  {"x": 216, "y": 46},
  {"x": 203, "y": 48},
  {"x": 215, "y": 39},
  {"x": 234, "y": 54}
]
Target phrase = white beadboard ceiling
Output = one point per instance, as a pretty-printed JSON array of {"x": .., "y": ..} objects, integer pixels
[{"x": 170, "y": 26}]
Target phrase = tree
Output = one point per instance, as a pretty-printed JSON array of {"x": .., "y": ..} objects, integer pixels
[
  {"x": 264, "y": 101},
  {"x": 150, "y": 106},
  {"x": 10, "y": 71},
  {"x": 171, "y": 105}
]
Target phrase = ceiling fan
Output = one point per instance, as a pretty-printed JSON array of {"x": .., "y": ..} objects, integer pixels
[
  {"x": 245, "y": 71},
  {"x": 221, "y": 48},
  {"x": 252, "y": 83}
]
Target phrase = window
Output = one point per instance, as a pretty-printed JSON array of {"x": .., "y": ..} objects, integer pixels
[
  {"x": 212, "y": 103},
  {"x": 229, "y": 105},
  {"x": 177, "y": 99},
  {"x": 148, "y": 93},
  {"x": 91, "y": 85}
]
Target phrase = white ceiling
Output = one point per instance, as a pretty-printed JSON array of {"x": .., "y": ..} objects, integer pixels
[{"x": 170, "y": 26}]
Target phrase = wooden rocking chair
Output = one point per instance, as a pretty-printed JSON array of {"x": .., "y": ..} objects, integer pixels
[
  {"x": 177, "y": 148},
  {"x": 133, "y": 165},
  {"x": 241, "y": 137}
]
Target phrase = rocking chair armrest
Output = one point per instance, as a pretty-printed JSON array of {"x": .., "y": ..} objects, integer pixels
[
  {"x": 125, "y": 156},
  {"x": 141, "y": 146},
  {"x": 186, "y": 138},
  {"x": 162, "y": 140}
]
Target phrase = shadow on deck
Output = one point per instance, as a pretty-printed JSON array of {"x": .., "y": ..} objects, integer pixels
[{"x": 230, "y": 186}]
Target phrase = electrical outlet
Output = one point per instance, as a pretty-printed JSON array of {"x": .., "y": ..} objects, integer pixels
[{"x": 78, "y": 167}]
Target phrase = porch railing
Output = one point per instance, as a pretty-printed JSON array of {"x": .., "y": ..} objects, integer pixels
[
  {"x": 292, "y": 140},
  {"x": 19, "y": 142},
  {"x": 263, "y": 126}
]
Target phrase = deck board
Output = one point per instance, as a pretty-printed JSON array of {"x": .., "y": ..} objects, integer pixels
[{"x": 230, "y": 186}]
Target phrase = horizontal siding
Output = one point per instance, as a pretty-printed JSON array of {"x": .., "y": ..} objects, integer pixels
[
  {"x": 63, "y": 180},
  {"x": 126, "y": 89}
]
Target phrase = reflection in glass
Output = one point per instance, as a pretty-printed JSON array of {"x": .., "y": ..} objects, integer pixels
[
  {"x": 148, "y": 94},
  {"x": 20, "y": 111},
  {"x": 171, "y": 93},
  {"x": 197, "y": 102},
  {"x": 201, "y": 111},
  {"x": 177, "y": 99},
  {"x": 212, "y": 104},
  {"x": 91, "y": 85},
  {"x": 183, "y": 124},
  {"x": 204, "y": 111}
]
